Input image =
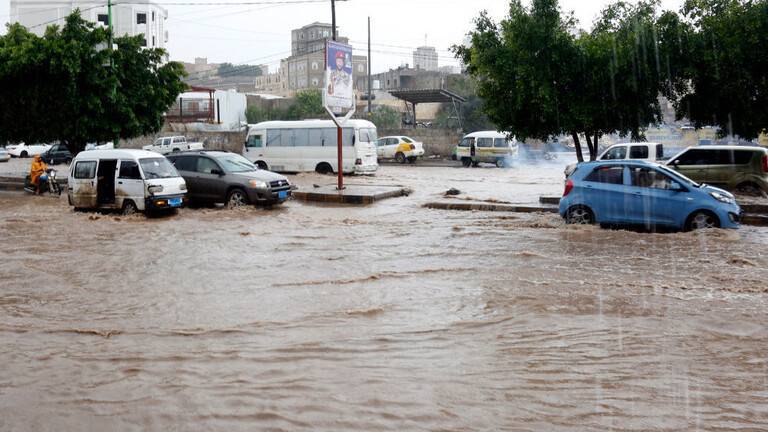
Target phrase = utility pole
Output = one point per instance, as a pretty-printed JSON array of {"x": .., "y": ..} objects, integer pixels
[
  {"x": 333, "y": 19},
  {"x": 339, "y": 147},
  {"x": 370, "y": 90},
  {"x": 109, "y": 24}
]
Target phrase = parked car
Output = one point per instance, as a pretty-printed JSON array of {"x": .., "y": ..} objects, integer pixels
[
  {"x": 166, "y": 145},
  {"x": 399, "y": 148},
  {"x": 646, "y": 194},
  {"x": 486, "y": 147},
  {"x": 740, "y": 168},
  {"x": 4, "y": 155},
  {"x": 58, "y": 153},
  {"x": 651, "y": 152},
  {"x": 23, "y": 150},
  {"x": 220, "y": 177},
  {"x": 127, "y": 180}
]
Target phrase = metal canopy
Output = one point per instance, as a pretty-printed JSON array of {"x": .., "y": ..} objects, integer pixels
[
  {"x": 415, "y": 97},
  {"x": 427, "y": 96}
]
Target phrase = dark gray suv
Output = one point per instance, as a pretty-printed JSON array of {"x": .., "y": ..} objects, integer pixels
[{"x": 220, "y": 177}]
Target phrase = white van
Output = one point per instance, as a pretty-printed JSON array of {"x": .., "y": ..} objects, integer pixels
[
  {"x": 488, "y": 147},
  {"x": 310, "y": 145},
  {"x": 127, "y": 180}
]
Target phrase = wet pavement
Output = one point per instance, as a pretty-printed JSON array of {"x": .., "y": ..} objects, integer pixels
[{"x": 381, "y": 317}]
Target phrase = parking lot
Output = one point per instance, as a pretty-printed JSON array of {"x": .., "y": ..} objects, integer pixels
[{"x": 319, "y": 317}]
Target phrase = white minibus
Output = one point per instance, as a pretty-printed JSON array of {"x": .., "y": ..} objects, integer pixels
[
  {"x": 127, "y": 180},
  {"x": 310, "y": 145}
]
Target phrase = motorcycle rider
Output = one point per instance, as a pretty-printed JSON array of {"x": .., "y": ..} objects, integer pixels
[{"x": 37, "y": 174}]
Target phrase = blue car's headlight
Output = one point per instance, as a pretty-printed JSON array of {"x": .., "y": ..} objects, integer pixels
[{"x": 722, "y": 198}]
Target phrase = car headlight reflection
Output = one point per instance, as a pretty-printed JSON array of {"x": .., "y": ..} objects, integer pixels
[
  {"x": 257, "y": 184},
  {"x": 722, "y": 198}
]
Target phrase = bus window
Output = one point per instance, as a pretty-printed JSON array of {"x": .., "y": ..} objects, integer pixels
[
  {"x": 286, "y": 139},
  {"x": 485, "y": 142},
  {"x": 273, "y": 138},
  {"x": 348, "y": 136},
  {"x": 301, "y": 137},
  {"x": 253, "y": 141},
  {"x": 316, "y": 137},
  {"x": 329, "y": 137}
]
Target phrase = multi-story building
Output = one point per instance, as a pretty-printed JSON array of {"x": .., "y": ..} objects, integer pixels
[
  {"x": 132, "y": 19},
  {"x": 425, "y": 58},
  {"x": 305, "y": 68}
]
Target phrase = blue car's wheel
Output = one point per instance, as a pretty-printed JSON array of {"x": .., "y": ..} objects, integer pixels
[
  {"x": 702, "y": 220},
  {"x": 579, "y": 215}
]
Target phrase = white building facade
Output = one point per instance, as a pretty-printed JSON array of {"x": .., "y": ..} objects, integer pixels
[
  {"x": 147, "y": 19},
  {"x": 425, "y": 58}
]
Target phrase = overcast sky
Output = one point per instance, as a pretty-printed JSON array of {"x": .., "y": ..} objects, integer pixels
[{"x": 261, "y": 34}]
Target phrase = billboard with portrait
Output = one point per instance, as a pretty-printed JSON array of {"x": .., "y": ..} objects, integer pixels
[{"x": 338, "y": 93}]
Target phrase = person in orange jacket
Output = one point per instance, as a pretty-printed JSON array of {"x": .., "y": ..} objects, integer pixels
[{"x": 37, "y": 173}]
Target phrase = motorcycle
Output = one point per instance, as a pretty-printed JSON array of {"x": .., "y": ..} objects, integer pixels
[{"x": 49, "y": 185}]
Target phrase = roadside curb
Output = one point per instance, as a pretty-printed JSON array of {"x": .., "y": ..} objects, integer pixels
[{"x": 747, "y": 219}]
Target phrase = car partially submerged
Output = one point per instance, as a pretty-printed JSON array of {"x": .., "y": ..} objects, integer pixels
[
  {"x": 221, "y": 177},
  {"x": 628, "y": 192},
  {"x": 127, "y": 180}
]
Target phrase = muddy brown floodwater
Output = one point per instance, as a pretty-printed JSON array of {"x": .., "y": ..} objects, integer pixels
[{"x": 386, "y": 317}]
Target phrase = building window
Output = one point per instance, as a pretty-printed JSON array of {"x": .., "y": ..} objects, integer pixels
[
  {"x": 315, "y": 82},
  {"x": 141, "y": 18},
  {"x": 153, "y": 41},
  {"x": 103, "y": 18},
  {"x": 360, "y": 68},
  {"x": 315, "y": 66},
  {"x": 153, "y": 16},
  {"x": 143, "y": 42}
]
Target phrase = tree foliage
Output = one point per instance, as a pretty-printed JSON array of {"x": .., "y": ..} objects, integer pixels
[
  {"x": 307, "y": 104},
  {"x": 719, "y": 54},
  {"x": 386, "y": 117},
  {"x": 68, "y": 86},
  {"x": 540, "y": 78}
]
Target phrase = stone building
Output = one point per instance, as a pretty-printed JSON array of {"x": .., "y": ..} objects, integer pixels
[{"x": 304, "y": 69}]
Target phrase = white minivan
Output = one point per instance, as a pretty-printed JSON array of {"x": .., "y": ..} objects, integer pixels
[{"x": 127, "y": 180}]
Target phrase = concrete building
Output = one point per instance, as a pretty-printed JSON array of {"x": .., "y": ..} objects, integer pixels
[
  {"x": 425, "y": 58},
  {"x": 405, "y": 77},
  {"x": 147, "y": 18},
  {"x": 304, "y": 69}
]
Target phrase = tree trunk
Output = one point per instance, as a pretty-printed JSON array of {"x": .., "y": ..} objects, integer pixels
[
  {"x": 591, "y": 149},
  {"x": 595, "y": 143},
  {"x": 577, "y": 143}
]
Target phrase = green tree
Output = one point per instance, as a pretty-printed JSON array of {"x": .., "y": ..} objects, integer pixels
[
  {"x": 540, "y": 78},
  {"x": 719, "y": 64},
  {"x": 68, "y": 86},
  {"x": 385, "y": 117},
  {"x": 257, "y": 114},
  {"x": 307, "y": 104}
]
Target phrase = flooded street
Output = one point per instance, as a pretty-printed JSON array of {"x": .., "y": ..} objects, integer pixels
[{"x": 385, "y": 317}]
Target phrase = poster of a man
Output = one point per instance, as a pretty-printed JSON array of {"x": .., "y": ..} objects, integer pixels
[{"x": 338, "y": 92}]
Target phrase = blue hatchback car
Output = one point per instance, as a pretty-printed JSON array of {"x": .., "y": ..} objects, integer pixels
[{"x": 642, "y": 193}]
